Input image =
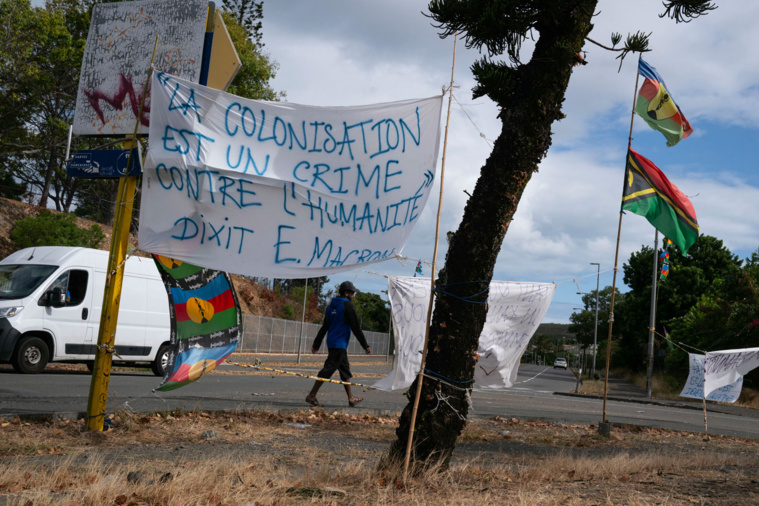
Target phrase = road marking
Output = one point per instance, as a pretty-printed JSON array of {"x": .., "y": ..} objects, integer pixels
[{"x": 532, "y": 378}]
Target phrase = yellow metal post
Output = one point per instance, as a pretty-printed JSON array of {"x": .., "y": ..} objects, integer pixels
[{"x": 101, "y": 374}]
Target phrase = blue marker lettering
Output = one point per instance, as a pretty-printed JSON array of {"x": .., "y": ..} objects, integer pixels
[{"x": 281, "y": 242}]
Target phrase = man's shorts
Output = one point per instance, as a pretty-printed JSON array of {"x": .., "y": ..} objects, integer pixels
[{"x": 337, "y": 360}]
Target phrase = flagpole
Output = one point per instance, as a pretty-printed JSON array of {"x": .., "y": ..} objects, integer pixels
[
  {"x": 603, "y": 428},
  {"x": 652, "y": 318},
  {"x": 420, "y": 378}
]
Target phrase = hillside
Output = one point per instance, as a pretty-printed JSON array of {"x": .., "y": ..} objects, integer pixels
[{"x": 554, "y": 330}]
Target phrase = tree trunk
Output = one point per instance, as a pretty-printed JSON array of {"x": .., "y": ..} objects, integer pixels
[
  {"x": 528, "y": 110},
  {"x": 48, "y": 179}
]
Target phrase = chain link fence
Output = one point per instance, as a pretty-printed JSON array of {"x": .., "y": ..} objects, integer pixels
[{"x": 261, "y": 334}]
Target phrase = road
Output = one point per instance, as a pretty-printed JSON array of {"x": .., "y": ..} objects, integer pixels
[{"x": 540, "y": 393}]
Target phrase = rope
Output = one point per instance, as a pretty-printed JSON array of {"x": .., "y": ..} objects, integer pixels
[
  {"x": 108, "y": 349},
  {"x": 257, "y": 365},
  {"x": 123, "y": 262},
  {"x": 450, "y": 385},
  {"x": 440, "y": 398},
  {"x": 465, "y": 299},
  {"x": 487, "y": 141},
  {"x": 666, "y": 338}
]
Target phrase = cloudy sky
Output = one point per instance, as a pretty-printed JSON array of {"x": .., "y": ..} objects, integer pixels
[{"x": 349, "y": 53}]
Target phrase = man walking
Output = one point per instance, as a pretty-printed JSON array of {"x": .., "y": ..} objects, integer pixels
[{"x": 339, "y": 319}]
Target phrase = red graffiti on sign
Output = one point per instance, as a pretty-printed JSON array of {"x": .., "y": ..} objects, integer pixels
[{"x": 116, "y": 100}]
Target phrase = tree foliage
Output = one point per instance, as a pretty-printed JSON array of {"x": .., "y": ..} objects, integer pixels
[
  {"x": 708, "y": 265},
  {"x": 724, "y": 317},
  {"x": 373, "y": 311},
  {"x": 257, "y": 70},
  {"x": 248, "y": 14},
  {"x": 54, "y": 229},
  {"x": 39, "y": 72}
]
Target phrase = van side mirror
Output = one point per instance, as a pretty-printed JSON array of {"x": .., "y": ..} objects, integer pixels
[{"x": 55, "y": 297}]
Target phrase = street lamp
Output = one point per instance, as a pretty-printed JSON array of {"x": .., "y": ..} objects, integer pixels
[{"x": 595, "y": 328}]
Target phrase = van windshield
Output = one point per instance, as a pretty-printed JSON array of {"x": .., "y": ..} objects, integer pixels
[{"x": 19, "y": 281}]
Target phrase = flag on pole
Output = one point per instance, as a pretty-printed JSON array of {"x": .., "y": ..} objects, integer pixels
[
  {"x": 205, "y": 320},
  {"x": 664, "y": 258},
  {"x": 418, "y": 269},
  {"x": 647, "y": 192},
  {"x": 657, "y": 107}
]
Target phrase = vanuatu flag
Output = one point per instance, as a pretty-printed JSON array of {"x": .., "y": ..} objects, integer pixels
[
  {"x": 205, "y": 320},
  {"x": 649, "y": 193},
  {"x": 657, "y": 107}
]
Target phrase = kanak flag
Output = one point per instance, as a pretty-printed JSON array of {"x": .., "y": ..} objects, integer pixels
[
  {"x": 205, "y": 320},
  {"x": 657, "y": 107}
]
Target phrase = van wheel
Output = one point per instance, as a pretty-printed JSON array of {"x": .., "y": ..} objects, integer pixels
[
  {"x": 161, "y": 361},
  {"x": 31, "y": 356}
]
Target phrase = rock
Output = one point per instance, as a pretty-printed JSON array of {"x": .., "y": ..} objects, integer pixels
[
  {"x": 135, "y": 477},
  {"x": 209, "y": 434}
]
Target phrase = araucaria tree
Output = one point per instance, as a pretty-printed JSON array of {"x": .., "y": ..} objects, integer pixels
[{"x": 530, "y": 95}]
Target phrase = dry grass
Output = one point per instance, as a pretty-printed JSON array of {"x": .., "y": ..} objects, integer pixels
[{"x": 314, "y": 457}]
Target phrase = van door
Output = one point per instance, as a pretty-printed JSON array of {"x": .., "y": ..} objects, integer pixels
[{"x": 71, "y": 324}]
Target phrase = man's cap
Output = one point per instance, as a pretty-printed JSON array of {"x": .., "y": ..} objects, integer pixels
[{"x": 347, "y": 286}]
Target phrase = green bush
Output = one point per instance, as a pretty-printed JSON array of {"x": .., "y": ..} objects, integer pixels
[
  {"x": 288, "y": 312},
  {"x": 54, "y": 229}
]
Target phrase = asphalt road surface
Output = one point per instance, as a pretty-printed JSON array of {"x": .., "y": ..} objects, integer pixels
[{"x": 540, "y": 393}]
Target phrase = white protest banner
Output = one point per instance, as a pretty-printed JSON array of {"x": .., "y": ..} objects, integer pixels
[
  {"x": 694, "y": 386},
  {"x": 283, "y": 190},
  {"x": 514, "y": 312},
  {"x": 409, "y": 300},
  {"x": 724, "y": 367}
]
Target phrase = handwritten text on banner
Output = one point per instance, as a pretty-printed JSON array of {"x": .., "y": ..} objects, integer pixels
[
  {"x": 727, "y": 366},
  {"x": 279, "y": 189},
  {"x": 514, "y": 312},
  {"x": 694, "y": 386}
]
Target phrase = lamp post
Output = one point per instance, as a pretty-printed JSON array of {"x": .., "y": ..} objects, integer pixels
[{"x": 595, "y": 328}]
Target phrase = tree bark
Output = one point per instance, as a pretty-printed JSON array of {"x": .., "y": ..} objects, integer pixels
[{"x": 531, "y": 105}]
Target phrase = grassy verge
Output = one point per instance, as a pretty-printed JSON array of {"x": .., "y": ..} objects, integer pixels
[{"x": 316, "y": 457}]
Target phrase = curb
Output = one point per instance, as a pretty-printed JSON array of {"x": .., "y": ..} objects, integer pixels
[{"x": 714, "y": 408}]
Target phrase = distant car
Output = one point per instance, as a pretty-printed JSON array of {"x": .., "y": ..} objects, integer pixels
[{"x": 560, "y": 362}]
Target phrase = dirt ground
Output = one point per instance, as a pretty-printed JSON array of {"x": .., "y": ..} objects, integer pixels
[{"x": 316, "y": 457}]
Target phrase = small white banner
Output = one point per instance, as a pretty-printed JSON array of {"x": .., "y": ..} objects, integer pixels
[
  {"x": 725, "y": 367},
  {"x": 283, "y": 190},
  {"x": 694, "y": 386},
  {"x": 514, "y": 312}
]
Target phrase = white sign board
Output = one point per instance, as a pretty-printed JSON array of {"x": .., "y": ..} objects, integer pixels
[
  {"x": 694, "y": 386},
  {"x": 725, "y": 367},
  {"x": 514, "y": 312},
  {"x": 117, "y": 59},
  {"x": 283, "y": 190}
]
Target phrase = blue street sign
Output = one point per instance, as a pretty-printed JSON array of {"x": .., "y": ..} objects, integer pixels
[{"x": 104, "y": 163}]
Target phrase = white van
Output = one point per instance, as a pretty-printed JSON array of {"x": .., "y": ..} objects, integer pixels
[{"x": 50, "y": 304}]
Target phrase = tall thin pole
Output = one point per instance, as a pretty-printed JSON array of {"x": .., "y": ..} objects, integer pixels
[
  {"x": 595, "y": 327},
  {"x": 420, "y": 378},
  {"x": 303, "y": 319},
  {"x": 616, "y": 260},
  {"x": 652, "y": 319}
]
